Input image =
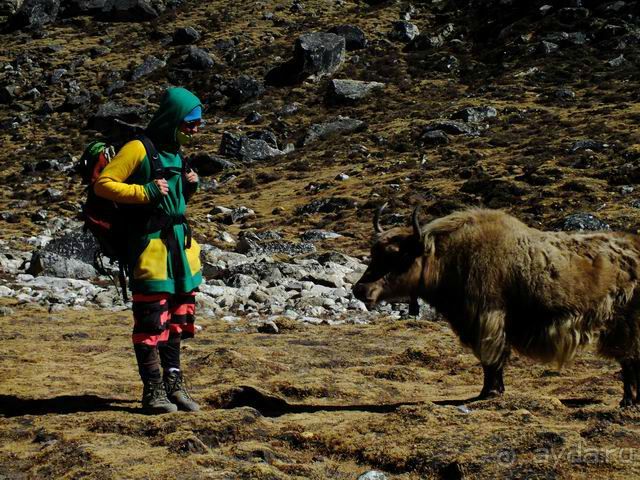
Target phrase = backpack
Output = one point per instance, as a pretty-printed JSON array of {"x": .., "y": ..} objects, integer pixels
[{"x": 106, "y": 220}]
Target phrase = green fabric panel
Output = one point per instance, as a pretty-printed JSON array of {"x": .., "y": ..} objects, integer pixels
[{"x": 175, "y": 105}]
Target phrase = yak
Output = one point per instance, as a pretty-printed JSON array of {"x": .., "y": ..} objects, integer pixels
[{"x": 503, "y": 285}]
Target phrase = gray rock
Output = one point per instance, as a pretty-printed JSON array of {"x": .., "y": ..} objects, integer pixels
[
  {"x": 319, "y": 54},
  {"x": 434, "y": 137},
  {"x": 583, "y": 221},
  {"x": 248, "y": 149},
  {"x": 150, "y": 65},
  {"x": 239, "y": 280},
  {"x": 373, "y": 475},
  {"x": 354, "y": 37},
  {"x": 618, "y": 61},
  {"x": 34, "y": 14},
  {"x": 318, "y": 235},
  {"x": 110, "y": 113},
  {"x": 239, "y": 214},
  {"x": 269, "y": 327},
  {"x": 572, "y": 14},
  {"x": 129, "y": 10},
  {"x": 244, "y": 89},
  {"x": 404, "y": 31},
  {"x": 352, "y": 91},
  {"x": 74, "y": 102},
  {"x": 197, "y": 59},
  {"x": 53, "y": 265},
  {"x": 253, "y": 118},
  {"x": 564, "y": 93},
  {"x": 475, "y": 114},
  {"x": 548, "y": 47},
  {"x": 56, "y": 75},
  {"x": 250, "y": 244},
  {"x": 209, "y": 164},
  {"x": 453, "y": 127},
  {"x": 588, "y": 144},
  {"x": 8, "y": 94},
  {"x": 53, "y": 194},
  {"x": 315, "y": 55},
  {"x": 426, "y": 42},
  {"x": 339, "y": 126},
  {"x": 186, "y": 36},
  {"x": 327, "y": 205}
]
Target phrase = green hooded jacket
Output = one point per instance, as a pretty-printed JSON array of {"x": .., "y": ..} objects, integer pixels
[{"x": 153, "y": 264}]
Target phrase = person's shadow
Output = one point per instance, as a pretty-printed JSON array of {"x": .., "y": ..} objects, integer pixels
[{"x": 14, "y": 406}]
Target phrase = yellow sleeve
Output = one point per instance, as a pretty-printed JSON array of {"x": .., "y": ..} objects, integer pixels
[{"x": 111, "y": 182}]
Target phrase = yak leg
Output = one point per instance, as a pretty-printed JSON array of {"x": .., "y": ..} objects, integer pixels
[
  {"x": 494, "y": 377},
  {"x": 493, "y": 351},
  {"x": 629, "y": 382},
  {"x": 414, "y": 307}
]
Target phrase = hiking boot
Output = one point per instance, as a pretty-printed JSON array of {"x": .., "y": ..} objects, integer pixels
[
  {"x": 177, "y": 392},
  {"x": 154, "y": 399}
]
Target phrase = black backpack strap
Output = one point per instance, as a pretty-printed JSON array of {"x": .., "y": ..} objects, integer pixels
[
  {"x": 123, "y": 280},
  {"x": 157, "y": 171}
]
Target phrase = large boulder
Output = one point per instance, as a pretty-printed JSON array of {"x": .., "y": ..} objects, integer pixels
[
  {"x": 198, "y": 59},
  {"x": 354, "y": 37},
  {"x": 319, "y": 54},
  {"x": 70, "y": 256},
  {"x": 248, "y": 149},
  {"x": 315, "y": 55},
  {"x": 209, "y": 164},
  {"x": 117, "y": 10},
  {"x": 112, "y": 117},
  {"x": 34, "y": 14},
  {"x": 243, "y": 89},
  {"x": 186, "y": 36}
]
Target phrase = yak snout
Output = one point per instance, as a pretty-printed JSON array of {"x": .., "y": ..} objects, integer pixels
[{"x": 366, "y": 293}]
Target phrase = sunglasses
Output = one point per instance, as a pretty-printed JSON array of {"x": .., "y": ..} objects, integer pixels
[{"x": 193, "y": 124}]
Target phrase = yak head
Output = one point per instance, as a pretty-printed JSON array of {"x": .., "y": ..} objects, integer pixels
[{"x": 396, "y": 267}]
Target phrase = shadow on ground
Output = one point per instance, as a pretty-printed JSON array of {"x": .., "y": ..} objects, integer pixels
[{"x": 14, "y": 406}]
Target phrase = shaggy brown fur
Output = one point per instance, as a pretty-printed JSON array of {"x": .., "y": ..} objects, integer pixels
[{"x": 502, "y": 284}]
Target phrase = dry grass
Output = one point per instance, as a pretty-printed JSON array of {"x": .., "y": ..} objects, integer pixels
[{"x": 70, "y": 399}]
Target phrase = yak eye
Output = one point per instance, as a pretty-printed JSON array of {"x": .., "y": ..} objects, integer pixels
[{"x": 392, "y": 249}]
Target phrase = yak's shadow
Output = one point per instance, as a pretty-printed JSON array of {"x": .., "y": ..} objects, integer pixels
[
  {"x": 14, "y": 406},
  {"x": 273, "y": 406},
  {"x": 270, "y": 405}
]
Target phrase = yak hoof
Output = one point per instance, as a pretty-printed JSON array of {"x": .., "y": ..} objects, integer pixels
[
  {"x": 626, "y": 402},
  {"x": 493, "y": 393}
]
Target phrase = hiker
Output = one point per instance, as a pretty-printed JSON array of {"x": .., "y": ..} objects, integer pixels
[{"x": 162, "y": 257}]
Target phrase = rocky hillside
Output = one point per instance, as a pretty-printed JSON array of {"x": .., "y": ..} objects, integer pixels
[
  {"x": 318, "y": 112},
  {"x": 516, "y": 105}
]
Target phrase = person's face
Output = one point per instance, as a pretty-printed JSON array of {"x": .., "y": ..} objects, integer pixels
[{"x": 191, "y": 127}]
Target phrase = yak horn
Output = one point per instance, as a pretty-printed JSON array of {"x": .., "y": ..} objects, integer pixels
[
  {"x": 376, "y": 219},
  {"x": 417, "y": 229}
]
